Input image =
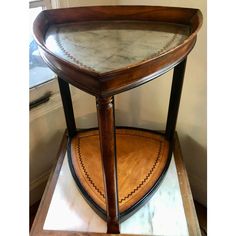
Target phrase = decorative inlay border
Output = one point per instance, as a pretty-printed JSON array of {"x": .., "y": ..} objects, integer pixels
[
  {"x": 59, "y": 44},
  {"x": 86, "y": 173},
  {"x": 74, "y": 59},
  {"x": 164, "y": 48},
  {"x": 78, "y": 151}
]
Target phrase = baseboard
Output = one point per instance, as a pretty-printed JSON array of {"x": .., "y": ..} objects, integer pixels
[{"x": 37, "y": 187}]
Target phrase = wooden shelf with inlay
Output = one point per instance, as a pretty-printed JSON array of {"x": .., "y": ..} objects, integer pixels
[
  {"x": 61, "y": 205},
  {"x": 142, "y": 159},
  {"x": 104, "y": 51}
]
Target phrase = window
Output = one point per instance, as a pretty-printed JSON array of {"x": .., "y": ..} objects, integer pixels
[{"x": 38, "y": 70}]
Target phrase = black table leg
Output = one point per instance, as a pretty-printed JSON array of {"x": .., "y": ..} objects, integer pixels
[
  {"x": 67, "y": 106},
  {"x": 176, "y": 89}
]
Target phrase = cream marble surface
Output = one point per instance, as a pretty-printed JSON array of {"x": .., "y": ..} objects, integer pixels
[
  {"x": 162, "y": 215},
  {"x": 104, "y": 46}
]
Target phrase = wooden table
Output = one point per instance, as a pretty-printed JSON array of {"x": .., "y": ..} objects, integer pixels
[
  {"x": 62, "y": 208},
  {"x": 105, "y": 51}
]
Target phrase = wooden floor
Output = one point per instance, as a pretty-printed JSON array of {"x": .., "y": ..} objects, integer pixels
[{"x": 200, "y": 209}]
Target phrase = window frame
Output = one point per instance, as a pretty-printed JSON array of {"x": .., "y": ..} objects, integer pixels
[{"x": 45, "y": 4}]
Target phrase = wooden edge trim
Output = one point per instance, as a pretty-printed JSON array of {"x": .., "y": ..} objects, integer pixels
[
  {"x": 189, "y": 208},
  {"x": 40, "y": 217}
]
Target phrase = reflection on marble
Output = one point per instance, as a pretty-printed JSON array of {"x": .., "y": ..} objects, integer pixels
[
  {"x": 162, "y": 215},
  {"x": 104, "y": 46}
]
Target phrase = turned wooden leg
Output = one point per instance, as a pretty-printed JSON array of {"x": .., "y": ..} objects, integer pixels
[
  {"x": 106, "y": 123},
  {"x": 67, "y": 106},
  {"x": 176, "y": 89}
]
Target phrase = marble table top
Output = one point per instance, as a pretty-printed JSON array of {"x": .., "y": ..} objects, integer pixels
[
  {"x": 162, "y": 215},
  {"x": 104, "y": 46}
]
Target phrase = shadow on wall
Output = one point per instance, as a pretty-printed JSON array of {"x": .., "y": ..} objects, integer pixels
[
  {"x": 124, "y": 119},
  {"x": 134, "y": 103},
  {"x": 195, "y": 159},
  {"x": 87, "y": 121},
  {"x": 45, "y": 152},
  {"x": 42, "y": 157},
  {"x": 145, "y": 106}
]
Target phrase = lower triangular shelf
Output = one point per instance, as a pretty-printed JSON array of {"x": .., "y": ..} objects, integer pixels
[{"x": 142, "y": 160}]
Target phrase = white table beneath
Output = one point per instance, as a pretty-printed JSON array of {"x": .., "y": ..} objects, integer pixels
[{"x": 167, "y": 212}]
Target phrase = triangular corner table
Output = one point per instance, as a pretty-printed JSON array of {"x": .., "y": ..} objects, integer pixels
[{"x": 104, "y": 51}]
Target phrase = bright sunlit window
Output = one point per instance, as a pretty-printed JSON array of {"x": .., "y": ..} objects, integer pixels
[{"x": 38, "y": 70}]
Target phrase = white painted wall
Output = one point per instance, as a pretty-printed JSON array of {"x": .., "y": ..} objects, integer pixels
[
  {"x": 145, "y": 106},
  {"x": 76, "y": 3}
]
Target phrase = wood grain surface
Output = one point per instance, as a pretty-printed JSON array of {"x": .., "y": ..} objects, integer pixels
[
  {"x": 107, "y": 141},
  {"x": 141, "y": 158}
]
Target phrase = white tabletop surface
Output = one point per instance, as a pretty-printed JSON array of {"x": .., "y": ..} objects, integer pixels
[{"x": 162, "y": 215}]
